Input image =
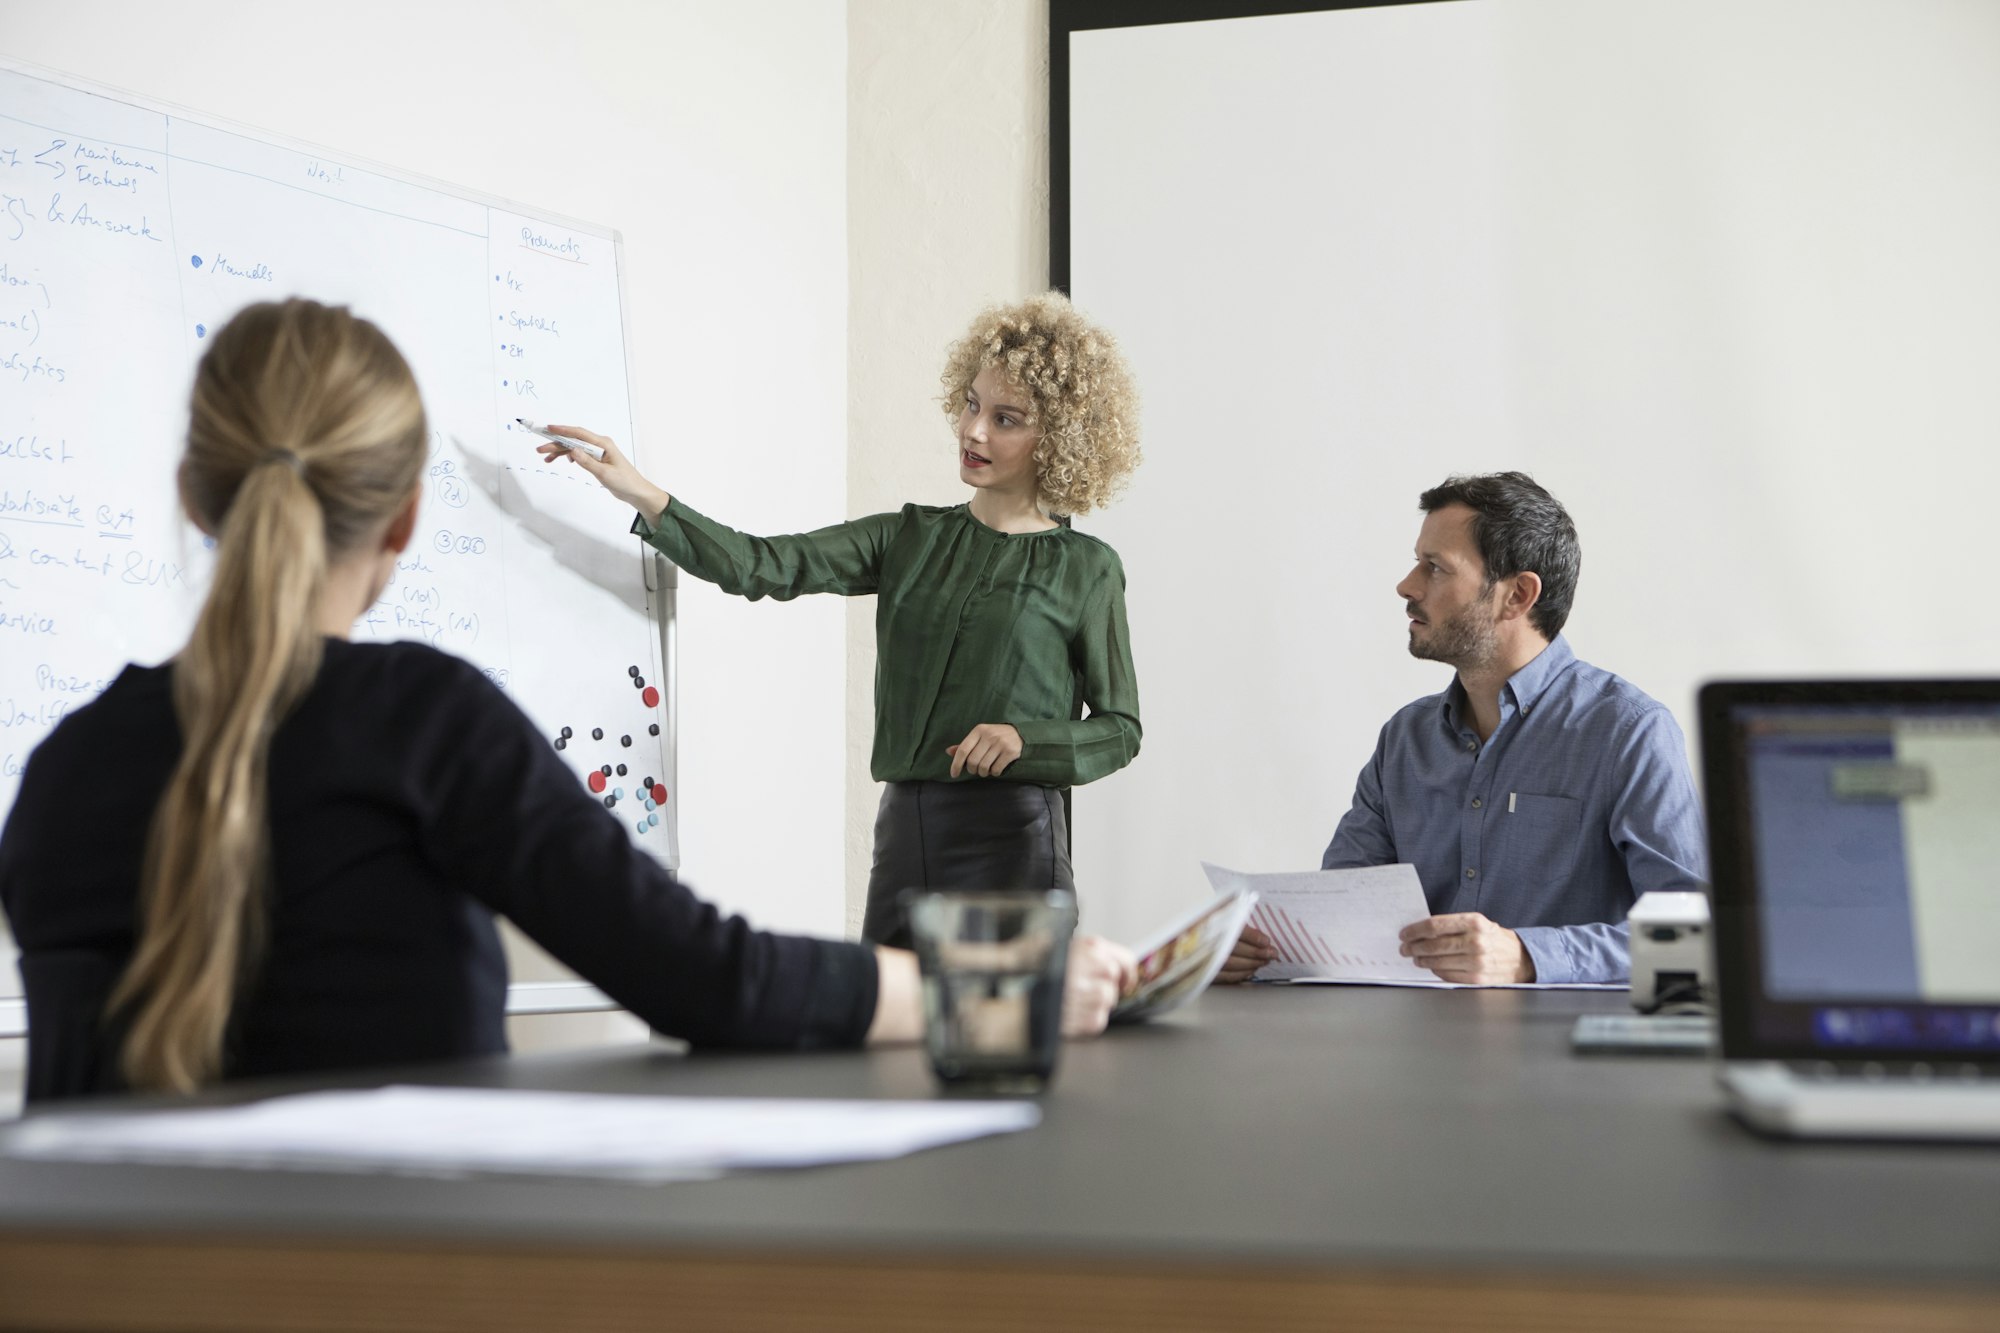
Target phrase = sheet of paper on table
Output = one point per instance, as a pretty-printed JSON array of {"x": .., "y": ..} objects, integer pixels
[
  {"x": 1341, "y": 927},
  {"x": 475, "y": 1131}
]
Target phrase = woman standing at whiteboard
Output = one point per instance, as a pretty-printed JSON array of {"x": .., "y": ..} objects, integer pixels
[
  {"x": 313, "y": 835},
  {"x": 996, "y": 623}
]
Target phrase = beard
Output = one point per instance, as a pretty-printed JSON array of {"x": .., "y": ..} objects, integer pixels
[{"x": 1463, "y": 640}]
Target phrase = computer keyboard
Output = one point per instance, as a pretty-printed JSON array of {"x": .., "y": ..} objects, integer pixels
[{"x": 1895, "y": 1071}]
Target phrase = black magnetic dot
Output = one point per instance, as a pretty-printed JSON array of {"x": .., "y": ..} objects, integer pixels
[
  {"x": 561, "y": 743},
  {"x": 597, "y": 733},
  {"x": 610, "y": 801},
  {"x": 624, "y": 740},
  {"x": 566, "y": 733},
  {"x": 649, "y": 784},
  {"x": 639, "y": 681},
  {"x": 631, "y": 671},
  {"x": 606, "y": 770},
  {"x": 621, "y": 770},
  {"x": 652, "y": 728}
]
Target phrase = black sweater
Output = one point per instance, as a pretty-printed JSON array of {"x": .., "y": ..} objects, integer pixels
[{"x": 409, "y": 801}]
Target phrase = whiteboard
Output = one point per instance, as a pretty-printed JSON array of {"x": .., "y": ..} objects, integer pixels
[
  {"x": 129, "y": 232},
  {"x": 1719, "y": 273}
]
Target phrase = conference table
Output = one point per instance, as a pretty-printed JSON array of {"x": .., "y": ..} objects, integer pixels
[{"x": 1268, "y": 1157}]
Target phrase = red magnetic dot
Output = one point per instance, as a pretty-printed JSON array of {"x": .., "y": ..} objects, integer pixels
[
  {"x": 659, "y": 793},
  {"x": 651, "y": 696},
  {"x": 596, "y": 780}
]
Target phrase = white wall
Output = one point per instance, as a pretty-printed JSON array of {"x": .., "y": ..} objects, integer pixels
[
  {"x": 947, "y": 187},
  {"x": 714, "y": 136},
  {"x": 1721, "y": 273}
]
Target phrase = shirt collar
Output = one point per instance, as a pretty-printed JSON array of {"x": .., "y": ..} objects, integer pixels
[
  {"x": 1522, "y": 689},
  {"x": 1534, "y": 679}
]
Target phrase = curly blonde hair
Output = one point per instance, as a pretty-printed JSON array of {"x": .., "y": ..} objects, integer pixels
[{"x": 1081, "y": 395}]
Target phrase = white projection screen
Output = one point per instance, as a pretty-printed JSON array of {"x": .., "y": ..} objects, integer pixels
[{"x": 1723, "y": 274}]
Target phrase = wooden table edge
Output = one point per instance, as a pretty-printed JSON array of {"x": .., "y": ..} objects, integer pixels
[{"x": 143, "y": 1281}]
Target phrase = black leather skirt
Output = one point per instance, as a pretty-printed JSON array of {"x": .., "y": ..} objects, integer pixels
[{"x": 984, "y": 834}]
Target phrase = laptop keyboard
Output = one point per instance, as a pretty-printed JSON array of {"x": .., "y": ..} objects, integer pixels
[{"x": 1895, "y": 1071}]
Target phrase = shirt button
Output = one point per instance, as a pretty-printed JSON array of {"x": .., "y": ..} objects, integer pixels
[
  {"x": 1472, "y": 745},
  {"x": 1475, "y": 803},
  {"x": 1470, "y": 873}
]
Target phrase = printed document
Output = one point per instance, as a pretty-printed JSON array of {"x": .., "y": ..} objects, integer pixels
[
  {"x": 1335, "y": 925},
  {"x": 1344, "y": 928}
]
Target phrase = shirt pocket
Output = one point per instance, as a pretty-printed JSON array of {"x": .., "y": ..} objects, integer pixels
[{"x": 1540, "y": 836}]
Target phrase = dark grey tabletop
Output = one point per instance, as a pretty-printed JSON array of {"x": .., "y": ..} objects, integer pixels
[{"x": 1335, "y": 1126}]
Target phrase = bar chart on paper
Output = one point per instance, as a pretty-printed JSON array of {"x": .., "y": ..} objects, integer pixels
[
  {"x": 1334, "y": 925},
  {"x": 1299, "y": 943}
]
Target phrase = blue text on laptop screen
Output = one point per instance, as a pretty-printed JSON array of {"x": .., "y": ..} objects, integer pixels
[{"x": 1876, "y": 836}]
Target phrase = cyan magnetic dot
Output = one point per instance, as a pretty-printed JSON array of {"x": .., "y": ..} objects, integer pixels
[
  {"x": 641, "y": 826},
  {"x": 649, "y": 803},
  {"x": 619, "y": 792},
  {"x": 653, "y": 820}
]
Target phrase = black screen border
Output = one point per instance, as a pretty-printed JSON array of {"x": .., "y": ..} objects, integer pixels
[{"x": 1748, "y": 1016}]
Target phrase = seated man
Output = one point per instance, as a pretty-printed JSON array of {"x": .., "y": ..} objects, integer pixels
[{"x": 1537, "y": 796}]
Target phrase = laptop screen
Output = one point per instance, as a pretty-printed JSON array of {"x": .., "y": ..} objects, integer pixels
[{"x": 1856, "y": 832}]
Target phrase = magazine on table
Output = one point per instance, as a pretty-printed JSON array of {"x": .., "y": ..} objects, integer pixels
[{"x": 1177, "y": 962}]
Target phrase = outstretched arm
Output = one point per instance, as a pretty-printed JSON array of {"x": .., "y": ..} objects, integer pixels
[
  {"x": 1097, "y": 974},
  {"x": 845, "y": 558},
  {"x": 616, "y": 472}
]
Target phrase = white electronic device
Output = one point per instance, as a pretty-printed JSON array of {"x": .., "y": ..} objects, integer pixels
[{"x": 1672, "y": 962}]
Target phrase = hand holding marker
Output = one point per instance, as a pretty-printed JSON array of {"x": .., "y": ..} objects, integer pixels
[
  {"x": 581, "y": 446},
  {"x": 600, "y": 456}
]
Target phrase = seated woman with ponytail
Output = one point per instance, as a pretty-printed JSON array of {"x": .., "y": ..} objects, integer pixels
[{"x": 333, "y": 825}]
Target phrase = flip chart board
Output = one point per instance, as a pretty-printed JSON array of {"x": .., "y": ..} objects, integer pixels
[{"x": 128, "y": 234}]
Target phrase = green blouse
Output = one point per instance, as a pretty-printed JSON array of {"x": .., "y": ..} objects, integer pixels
[{"x": 971, "y": 626}]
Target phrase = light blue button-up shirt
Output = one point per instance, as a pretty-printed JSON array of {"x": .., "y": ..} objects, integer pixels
[{"x": 1579, "y": 801}]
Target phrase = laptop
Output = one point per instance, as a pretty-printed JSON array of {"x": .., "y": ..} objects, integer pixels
[{"x": 1854, "y": 837}]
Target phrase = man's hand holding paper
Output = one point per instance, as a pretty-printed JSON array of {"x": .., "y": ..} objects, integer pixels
[
  {"x": 1468, "y": 948},
  {"x": 1339, "y": 925}
]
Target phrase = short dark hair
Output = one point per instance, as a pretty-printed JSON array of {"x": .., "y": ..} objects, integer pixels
[{"x": 1519, "y": 527}]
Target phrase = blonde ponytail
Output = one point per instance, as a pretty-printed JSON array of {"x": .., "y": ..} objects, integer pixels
[{"x": 306, "y": 434}]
